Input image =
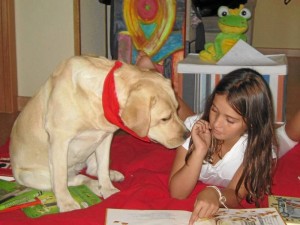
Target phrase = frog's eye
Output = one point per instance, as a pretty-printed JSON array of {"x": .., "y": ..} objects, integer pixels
[
  {"x": 223, "y": 11},
  {"x": 245, "y": 13}
]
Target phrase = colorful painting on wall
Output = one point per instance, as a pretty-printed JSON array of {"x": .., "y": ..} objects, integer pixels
[{"x": 155, "y": 28}]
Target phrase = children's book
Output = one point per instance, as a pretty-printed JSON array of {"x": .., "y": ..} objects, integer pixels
[
  {"x": 257, "y": 216},
  {"x": 288, "y": 207},
  {"x": 82, "y": 194}
]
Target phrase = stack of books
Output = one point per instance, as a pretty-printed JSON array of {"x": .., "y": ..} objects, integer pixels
[{"x": 36, "y": 203}]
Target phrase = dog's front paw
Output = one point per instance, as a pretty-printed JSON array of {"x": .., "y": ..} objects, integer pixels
[
  {"x": 106, "y": 192},
  {"x": 116, "y": 176},
  {"x": 68, "y": 204}
]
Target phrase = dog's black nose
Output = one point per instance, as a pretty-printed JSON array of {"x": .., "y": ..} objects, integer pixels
[{"x": 186, "y": 134}]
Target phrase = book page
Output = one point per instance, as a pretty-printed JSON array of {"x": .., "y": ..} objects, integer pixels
[
  {"x": 147, "y": 217},
  {"x": 257, "y": 216},
  {"x": 262, "y": 216}
]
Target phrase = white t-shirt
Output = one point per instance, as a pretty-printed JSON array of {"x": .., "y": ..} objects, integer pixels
[{"x": 222, "y": 172}]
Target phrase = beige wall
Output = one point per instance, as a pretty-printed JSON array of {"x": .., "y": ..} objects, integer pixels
[
  {"x": 44, "y": 36},
  {"x": 277, "y": 25}
]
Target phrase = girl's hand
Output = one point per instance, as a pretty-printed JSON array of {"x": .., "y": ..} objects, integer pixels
[
  {"x": 206, "y": 205},
  {"x": 201, "y": 135}
]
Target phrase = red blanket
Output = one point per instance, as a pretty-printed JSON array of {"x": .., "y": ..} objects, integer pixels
[{"x": 146, "y": 167}]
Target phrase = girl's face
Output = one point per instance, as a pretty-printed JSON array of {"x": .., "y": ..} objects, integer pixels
[{"x": 226, "y": 124}]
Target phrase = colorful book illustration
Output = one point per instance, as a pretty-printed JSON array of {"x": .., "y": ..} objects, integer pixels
[
  {"x": 82, "y": 194},
  {"x": 288, "y": 207},
  {"x": 257, "y": 216}
]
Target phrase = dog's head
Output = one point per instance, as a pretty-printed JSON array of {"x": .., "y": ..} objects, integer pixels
[{"x": 151, "y": 110}]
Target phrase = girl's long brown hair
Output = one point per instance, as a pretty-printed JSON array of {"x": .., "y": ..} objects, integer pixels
[{"x": 249, "y": 95}]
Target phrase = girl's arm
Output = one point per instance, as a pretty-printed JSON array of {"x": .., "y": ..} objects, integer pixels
[{"x": 184, "y": 175}]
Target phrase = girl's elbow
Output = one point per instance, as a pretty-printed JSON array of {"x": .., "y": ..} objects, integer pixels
[
  {"x": 176, "y": 190},
  {"x": 177, "y": 194}
]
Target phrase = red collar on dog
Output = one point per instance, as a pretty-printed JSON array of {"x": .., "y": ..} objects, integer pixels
[{"x": 111, "y": 104}]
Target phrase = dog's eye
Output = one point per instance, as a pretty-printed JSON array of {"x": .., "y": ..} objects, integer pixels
[{"x": 166, "y": 119}]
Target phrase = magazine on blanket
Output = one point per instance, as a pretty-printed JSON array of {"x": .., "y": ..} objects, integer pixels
[
  {"x": 288, "y": 207},
  {"x": 257, "y": 216}
]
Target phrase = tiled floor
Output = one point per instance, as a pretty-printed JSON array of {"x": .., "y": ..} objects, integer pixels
[{"x": 292, "y": 104}]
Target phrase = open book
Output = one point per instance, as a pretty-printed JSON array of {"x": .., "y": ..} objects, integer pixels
[
  {"x": 288, "y": 207},
  {"x": 258, "y": 216}
]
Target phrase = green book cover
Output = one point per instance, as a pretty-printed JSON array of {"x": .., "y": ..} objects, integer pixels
[
  {"x": 82, "y": 194},
  {"x": 8, "y": 186}
]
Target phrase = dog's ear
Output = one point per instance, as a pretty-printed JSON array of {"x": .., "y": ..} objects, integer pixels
[{"x": 136, "y": 113}]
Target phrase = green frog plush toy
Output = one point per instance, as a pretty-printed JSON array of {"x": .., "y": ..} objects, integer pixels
[{"x": 233, "y": 24}]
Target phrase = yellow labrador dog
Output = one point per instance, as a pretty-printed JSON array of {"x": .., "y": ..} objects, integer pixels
[{"x": 70, "y": 122}]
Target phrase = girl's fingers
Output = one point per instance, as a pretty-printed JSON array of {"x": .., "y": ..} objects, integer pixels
[
  {"x": 198, "y": 212},
  {"x": 195, "y": 213},
  {"x": 202, "y": 125},
  {"x": 202, "y": 210}
]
